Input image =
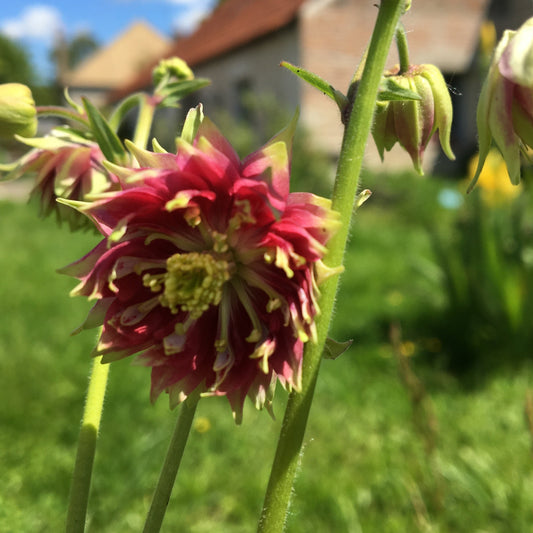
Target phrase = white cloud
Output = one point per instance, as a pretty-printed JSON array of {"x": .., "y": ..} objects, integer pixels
[
  {"x": 191, "y": 13},
  {"x": 40, "y": 22}
]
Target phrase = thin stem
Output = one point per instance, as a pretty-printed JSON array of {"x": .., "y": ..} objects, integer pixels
[
  {"x": 144, "y": 121},
  {"x": 286, "y": 460},
  {"x": 170, "y": 467},
  {"x": 58, "y": 111},
  {"x": 81, "y": 478},
  {"x": 403, "y": 48}
]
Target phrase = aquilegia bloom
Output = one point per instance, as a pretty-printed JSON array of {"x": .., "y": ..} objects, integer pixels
[
  {"x": 208, "y": 269},
  {"x": 66, "y": 169},
  {"x": 412, "y": 123},
  {"x": 505, "y": 108}
]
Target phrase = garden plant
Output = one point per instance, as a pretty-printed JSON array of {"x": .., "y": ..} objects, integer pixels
[{"x": 217, "y": 277}]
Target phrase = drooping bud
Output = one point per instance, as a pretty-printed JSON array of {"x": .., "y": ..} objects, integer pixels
[
  {"x": 410, "y": 122},
  {"x": 17, "y": 111},
  {"x": 505, "y": 108}
]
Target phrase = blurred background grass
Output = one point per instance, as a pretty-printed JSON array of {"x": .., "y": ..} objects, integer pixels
[{"x": 400, "y": 438}]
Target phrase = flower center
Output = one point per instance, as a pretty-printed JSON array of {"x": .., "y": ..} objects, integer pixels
[{"x": 192, "y": 282}]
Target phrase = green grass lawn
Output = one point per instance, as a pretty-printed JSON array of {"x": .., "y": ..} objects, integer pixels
[{"x": 365, "y": 466}]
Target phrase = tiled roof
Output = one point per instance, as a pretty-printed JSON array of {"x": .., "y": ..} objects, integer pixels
[
  {"x": 128, "y": 55},
  {"x": 232, "y": 24}
]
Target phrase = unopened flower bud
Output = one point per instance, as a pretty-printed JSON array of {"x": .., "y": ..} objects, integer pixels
[
  {"x": 17, "y": 111},
  {"x": 412, "y": 123},
  {"x": 505, "y": 108},
  {"x": 173, "y": 67}
]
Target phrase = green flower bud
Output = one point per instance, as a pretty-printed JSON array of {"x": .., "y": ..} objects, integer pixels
[
  {"x": 412, "y": 123},
  {"x": 505, "y": 107},
  {"x": 18, "y": 115},
  {"x": 173, "y": 67}
]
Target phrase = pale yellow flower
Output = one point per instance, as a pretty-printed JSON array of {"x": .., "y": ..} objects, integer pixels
[{"x": 493, "y": 182}]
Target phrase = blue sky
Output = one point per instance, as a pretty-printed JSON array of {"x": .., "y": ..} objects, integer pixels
[{"x": 34, "y": 23}]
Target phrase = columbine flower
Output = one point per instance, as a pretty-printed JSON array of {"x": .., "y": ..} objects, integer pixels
[
  {"x": 412, "y": 123},
  {"x": 208, "y": 269},
  {"x": 67, "y": 170},
  {"x": 18, "y": 115},
  {"x": 505, "y": 108}
]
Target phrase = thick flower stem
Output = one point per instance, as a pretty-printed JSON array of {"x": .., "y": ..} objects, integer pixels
[
  {"x": 351, "y": 158},
  {"x": 170, "y": 466},
  {"x": 81, "y": 478}
]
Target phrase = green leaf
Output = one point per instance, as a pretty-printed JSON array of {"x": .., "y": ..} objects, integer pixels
[
  {"x": 106, "y": 138},
  {"x": 174, "y": 92},
  {"x": 390, "y": 90},
  {"x": 123, "y": 108},
  {"x": 332, "y": 348},
  {"x": 313, "y": 79}
]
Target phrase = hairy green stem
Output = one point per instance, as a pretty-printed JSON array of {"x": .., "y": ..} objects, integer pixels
[
  {"x": 403, "y": 49},
  {"x": 81, "y": 478},
  {"x": 287, "y": 455},
  {"x": 170, "y": 467}
]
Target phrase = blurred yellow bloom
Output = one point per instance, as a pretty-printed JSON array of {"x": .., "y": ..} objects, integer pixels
[
  {"x": 493, "y": 182},
  {"x": 487, "y": 38},
  {"x": 407, "y": 348},
  {"x": 202, "y": 424},
  {"x": 395, "y": 298}
]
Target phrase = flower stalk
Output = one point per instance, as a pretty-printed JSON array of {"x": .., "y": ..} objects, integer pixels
[
  {"x": 81, "y": 478},
  {"x": 144, "y": 122},
  {"x": 171, "y": 465},
  {"x": 351, "y": 158},
  {"x": 63, "y": 112},
  {"x": 403, "y": 49}
]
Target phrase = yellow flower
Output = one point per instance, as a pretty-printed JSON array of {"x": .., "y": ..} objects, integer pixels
[
  {"x": 487, "y": 38},
  {"x": 202, "y": 424},
  {"x": 407, "y": 348},
  {"x": 493, "y": 183}
]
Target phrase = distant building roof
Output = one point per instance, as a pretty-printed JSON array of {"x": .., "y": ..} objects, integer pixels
[
  {"x": 232, "y": 24},
  {"x": 129, "y": 54}
]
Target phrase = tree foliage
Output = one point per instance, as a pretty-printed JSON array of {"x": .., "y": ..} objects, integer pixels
[{"x": 15, "y": 63}]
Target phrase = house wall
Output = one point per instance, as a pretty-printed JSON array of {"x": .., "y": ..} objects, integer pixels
[
  {"x": 255, "y": 68},
  {"x": 98, "y": 96},
  {"x": 326, "y": 53},
  {"x": 334, "y": 55},
  {"x": 334, "y": 35}
]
